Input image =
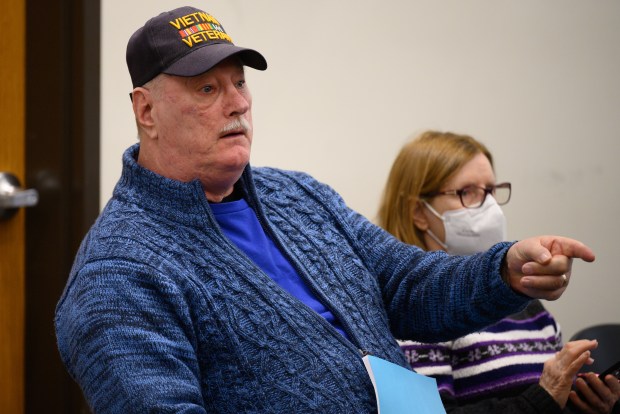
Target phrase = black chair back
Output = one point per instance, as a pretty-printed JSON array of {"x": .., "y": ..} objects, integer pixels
[{"x": 608, "y": 351}]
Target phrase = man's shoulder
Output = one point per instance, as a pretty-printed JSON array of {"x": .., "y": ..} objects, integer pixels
[
  {"x": 282, "y": 178},
  {"x": 122, "y": 227},
  {"x": 266, "y": 173},
  {"x": 277, "y": 185}
]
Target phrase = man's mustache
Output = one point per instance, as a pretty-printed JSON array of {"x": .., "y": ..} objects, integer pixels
[{"x": 237, "y": 124}]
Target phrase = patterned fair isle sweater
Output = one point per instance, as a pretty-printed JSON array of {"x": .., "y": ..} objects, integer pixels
[
  {"x": 503, "y": 360},
  {"x": 162, "y": 313}
]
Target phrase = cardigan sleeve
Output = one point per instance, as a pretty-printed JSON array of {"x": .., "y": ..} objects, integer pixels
[
  {"x": 122, "y": 337},
  {"x": 428, "y": 296}
]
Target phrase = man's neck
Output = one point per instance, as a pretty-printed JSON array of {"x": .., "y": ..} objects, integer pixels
[{"x": 233, "y": 194}]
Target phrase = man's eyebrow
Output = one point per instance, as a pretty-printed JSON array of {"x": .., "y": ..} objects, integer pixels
[{"x": 192, "y": 81}]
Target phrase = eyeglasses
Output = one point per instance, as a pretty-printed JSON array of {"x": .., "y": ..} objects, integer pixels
[{"x": 473, "y": 196}]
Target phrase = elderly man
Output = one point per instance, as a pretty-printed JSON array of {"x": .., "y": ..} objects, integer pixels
[{"x": 210, "y": 286}]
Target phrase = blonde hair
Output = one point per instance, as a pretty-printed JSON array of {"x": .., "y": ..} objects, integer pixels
[{"x": 423, "y": 165}]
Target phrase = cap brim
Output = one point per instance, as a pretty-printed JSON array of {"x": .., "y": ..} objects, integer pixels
[{"x": 205, "y": 58}]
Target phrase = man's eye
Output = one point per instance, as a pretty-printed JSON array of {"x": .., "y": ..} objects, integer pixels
[
  {"x": 241, "y": 83},
  {"x": 207, "y": 89}
]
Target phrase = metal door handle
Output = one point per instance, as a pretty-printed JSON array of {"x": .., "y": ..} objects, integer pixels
[{"x": 12, "y": 196}]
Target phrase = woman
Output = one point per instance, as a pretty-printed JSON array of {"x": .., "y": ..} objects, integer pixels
[{"x": 442, "y": 194}]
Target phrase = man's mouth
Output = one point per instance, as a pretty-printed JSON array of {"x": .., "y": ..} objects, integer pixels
[
  {"x": 233, "y": 133},
  {"x": 238, "y": 126}
]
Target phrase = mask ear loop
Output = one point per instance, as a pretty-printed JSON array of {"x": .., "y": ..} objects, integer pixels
[
  {"x": 432, "y": 210},
  {"x": 429, "y": 232},
  {"x": 439, "y": 242}
]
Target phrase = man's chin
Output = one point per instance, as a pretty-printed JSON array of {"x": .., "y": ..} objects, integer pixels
[{"x": 237, "y": 163}]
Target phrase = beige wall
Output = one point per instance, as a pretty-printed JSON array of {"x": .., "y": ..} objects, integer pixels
[{"x": 349, "y": 81}]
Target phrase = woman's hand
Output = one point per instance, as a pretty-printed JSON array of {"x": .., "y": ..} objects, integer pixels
[
  {"x": 559, "y": 371},
  {"x": 593, "y": 396}
]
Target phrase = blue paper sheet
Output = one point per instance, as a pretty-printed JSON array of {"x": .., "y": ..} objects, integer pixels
[{"x": 400, "y": 390}]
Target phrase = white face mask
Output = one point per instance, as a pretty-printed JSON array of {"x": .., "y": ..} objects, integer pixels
[{"x": 471, "y": 230}]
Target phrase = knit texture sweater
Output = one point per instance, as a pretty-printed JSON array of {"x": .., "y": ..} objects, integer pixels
[
  {"x": 162, "y": 313},
  {"x": 501, "y": 361}
]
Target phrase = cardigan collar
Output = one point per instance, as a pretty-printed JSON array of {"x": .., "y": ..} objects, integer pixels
[{"x": 172, "y": 199}]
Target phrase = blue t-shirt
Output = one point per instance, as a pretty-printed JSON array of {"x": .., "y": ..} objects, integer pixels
[{"x": 240, "y": 224}]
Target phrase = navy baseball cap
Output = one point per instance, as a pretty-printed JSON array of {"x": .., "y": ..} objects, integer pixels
[{"x": 183, "y": 42}]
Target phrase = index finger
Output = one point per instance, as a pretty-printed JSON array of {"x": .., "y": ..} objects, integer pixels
[{"x": 568, "y": 247}]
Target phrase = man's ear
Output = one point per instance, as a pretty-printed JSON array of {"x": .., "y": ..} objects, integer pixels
[
  {"x": 419, "y": 217},
  {"x": 142, "y": 109}
]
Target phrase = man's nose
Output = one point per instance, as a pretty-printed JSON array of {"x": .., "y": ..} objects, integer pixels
[{"x": 236, "y": 101}]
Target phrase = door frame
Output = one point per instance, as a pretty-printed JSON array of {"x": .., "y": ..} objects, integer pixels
[{"x": 62, "y": 163}]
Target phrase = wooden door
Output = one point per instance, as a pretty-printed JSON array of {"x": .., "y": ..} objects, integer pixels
[{"x": 12, "y": 246}]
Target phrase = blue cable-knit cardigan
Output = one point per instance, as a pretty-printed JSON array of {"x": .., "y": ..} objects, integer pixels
[{"x": 162, "y": 313}]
